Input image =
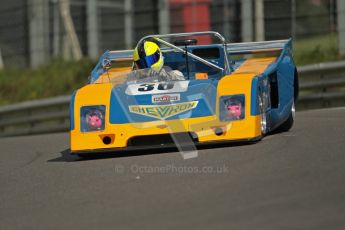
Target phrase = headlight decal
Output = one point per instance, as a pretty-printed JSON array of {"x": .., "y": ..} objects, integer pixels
[
  {"x": 232, "y": 107},
  {"x": 92, "y": 118}
]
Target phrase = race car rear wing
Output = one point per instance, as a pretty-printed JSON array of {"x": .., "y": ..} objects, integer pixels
[
  {"x": 258, "y": 47},
  {"x": 232, "y": 48},
  {"x": 121, "y": 55}
]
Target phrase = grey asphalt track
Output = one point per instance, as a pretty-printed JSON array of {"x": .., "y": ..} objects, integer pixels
[{"x": 293, "y": 180}]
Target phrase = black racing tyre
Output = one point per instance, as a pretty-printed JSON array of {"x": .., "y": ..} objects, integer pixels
[{"x": 287, "y": 125}]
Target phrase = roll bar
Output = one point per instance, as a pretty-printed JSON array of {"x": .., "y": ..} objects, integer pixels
[{"x": 160, "y": 38}]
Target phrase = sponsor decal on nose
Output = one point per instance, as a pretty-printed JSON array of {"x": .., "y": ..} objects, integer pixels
[
  {"x": 162, "y": 111},
  {"x": 165, "y": 98}
]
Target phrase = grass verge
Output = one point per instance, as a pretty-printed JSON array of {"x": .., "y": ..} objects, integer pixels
[
  {"x": 58, "y": 78},
  {"x": 316, "y": 49}
]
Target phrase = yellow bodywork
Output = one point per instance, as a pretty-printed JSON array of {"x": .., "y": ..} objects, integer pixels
[{"x": 239, "y": 82}]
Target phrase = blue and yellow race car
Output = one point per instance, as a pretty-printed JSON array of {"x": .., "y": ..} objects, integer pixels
[{"x": 229, "y": 92}]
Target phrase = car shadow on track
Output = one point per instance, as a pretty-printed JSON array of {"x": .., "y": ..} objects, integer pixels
[{"x": 66, "y": 156}]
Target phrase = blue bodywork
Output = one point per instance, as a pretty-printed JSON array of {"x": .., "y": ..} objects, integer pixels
[
  {"x": 203, "y": 91},
  {"x": 71, "y": 109}
]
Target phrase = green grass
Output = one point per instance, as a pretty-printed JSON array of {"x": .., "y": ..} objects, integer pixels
[
  {"x": 316, "y": 49},
  {"x": 58, "y": 78}
]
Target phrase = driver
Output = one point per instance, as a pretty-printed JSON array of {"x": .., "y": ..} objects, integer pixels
[{"x": 148, "y": 55}]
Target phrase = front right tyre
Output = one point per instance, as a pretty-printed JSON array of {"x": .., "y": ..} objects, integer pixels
[{"x": 263, "y": 120}]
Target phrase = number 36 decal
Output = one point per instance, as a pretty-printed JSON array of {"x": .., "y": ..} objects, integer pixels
[
  {"x": 156, "y": 88},
  {"x": 161, "y": 86}
]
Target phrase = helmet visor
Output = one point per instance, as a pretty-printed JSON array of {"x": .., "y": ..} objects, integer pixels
[{"x": 148, "y": 61}]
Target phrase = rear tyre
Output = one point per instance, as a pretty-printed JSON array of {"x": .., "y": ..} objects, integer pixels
[{"x": 287, "y": 125}]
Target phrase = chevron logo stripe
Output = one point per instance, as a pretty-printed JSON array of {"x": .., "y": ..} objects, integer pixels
[{"x": 162, "y": 111}]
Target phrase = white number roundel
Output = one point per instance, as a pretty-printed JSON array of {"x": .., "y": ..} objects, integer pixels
[{"x": 157, "y": 88}]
